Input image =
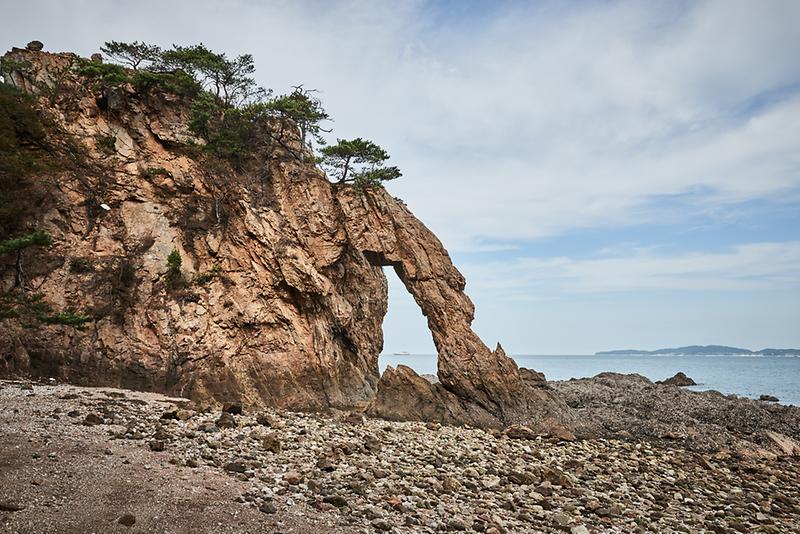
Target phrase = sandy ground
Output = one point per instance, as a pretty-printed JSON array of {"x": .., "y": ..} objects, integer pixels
[{"x": 71, "y": 478}]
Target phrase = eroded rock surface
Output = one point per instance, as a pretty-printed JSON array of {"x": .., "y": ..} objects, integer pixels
[
  {"x": 285, "y": 293},
  {"x": 631, "y": 406}
]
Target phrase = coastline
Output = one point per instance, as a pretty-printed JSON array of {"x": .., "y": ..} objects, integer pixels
[{"x": 339, "y": 472}]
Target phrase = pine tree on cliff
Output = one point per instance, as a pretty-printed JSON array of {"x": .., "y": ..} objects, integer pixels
[
  {"x": 303, "y": 109},
  {"x": 16, "y": 303},
  {"x": 132, "y": 54},
  {"x": 358, "y": 161}
]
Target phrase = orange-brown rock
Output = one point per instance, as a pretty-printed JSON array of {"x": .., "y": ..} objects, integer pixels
[{"x": 284, "y": 292}]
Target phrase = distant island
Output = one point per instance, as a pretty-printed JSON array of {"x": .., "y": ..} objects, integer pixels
[{"x": 704, "y": 350}]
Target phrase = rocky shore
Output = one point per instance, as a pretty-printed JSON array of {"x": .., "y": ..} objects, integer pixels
[{"x": 105, "y": 460}]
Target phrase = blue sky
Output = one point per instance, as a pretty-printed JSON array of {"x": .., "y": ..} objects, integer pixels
[{"x": 606, "y": 174}]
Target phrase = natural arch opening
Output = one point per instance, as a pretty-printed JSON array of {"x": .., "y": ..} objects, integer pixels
[{"x": 406, "y": 337}]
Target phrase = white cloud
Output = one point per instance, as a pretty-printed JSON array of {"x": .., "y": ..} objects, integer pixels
[
  {"x": 531, "y": 120},
  {"x": 750, "y": 267}
]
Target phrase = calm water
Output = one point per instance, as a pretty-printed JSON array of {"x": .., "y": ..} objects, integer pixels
[{"x": 748, "y": 376}]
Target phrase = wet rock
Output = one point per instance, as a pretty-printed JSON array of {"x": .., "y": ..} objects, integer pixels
[
  {"x": 768, "y": 398},
  {"x": 679, "y": 379}
]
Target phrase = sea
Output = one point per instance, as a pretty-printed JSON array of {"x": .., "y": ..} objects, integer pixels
[{"x": 743, "y": 375}]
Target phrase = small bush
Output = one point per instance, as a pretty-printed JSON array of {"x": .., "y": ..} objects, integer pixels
[
  {"x": 67, "y": 318},
  {"x": 174, "y": 275},
  {"x": 105, "y": 75},
  {"x": 207, "y": 277},
  {"x": 106, "y": 143},
  {"x": 81, "y": 265},
  {"x": 152, "y": 172},
  {"x": 40, "y": 238}
]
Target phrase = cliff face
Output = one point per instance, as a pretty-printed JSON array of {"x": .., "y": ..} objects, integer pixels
[{"x": 285, "y": 292}]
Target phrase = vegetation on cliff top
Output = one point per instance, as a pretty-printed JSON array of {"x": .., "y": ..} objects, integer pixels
[{"x": 233, "y": 115}]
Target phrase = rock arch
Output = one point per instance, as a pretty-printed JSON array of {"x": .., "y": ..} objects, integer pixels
[{"x": 477, "y": 385}]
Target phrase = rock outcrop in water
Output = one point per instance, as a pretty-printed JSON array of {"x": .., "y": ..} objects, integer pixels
[{"x": 285, "y": 292}]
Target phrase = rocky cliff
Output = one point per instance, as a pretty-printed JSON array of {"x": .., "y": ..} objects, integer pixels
[{"x": 283, "y": 292}]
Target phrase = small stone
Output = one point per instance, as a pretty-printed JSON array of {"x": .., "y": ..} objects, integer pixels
[
  {"x": 127, "y": 520},
  {"x": 8, "y": 506},
  {"x": 264, "y": 419},
  {"x": 170, "y": 414},
  {"x": 157, "y": 445},
  {"x": 372, "y": 444},
  {"x": 271, "y": 443},
  {"x": 235, "y": 467},
  {"x": 92, "y": 419},
  {"x": 520, "y": 432},
  {"x": 337, "y": 500},
  {"x": 73, "y": 413},
  {"x": 325, "y": 464},
  {"x": 450, "y": 484},
  {"x": 234, "y": 408},
  {"x": 456, "y": 524},
  {"x": 226, "y": 420},
  {"x": 293, "y": 477},
  {"x": 561, "y": 519},
  {"x": 268, "y": 508},
  {"x": 381, "y": 524},
  {"x": 579, "y": 529},
  {"x": 354, "y": 418}
]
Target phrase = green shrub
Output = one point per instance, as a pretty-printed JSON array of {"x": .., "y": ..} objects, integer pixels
[
  {"x": 67, "y": 318},
  {"x": 24, "y": 152},
  {"x": 81, "y": 265},
  {"x": 152, "y": 172},
  {"x": 106, "y": 143},
  {"x": 40, "y": 238},
  {"x": 207, "y": 277},
  {"x": 104, "y": 75},
  {"x": 174, "y": 275}
]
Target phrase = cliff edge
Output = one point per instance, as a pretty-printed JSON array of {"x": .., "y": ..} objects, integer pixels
[{"x": 283, "y": 292}]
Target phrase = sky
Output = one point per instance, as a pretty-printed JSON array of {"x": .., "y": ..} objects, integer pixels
[{"x": 606, "y": 174}]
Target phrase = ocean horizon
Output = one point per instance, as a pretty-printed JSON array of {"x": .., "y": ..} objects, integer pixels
[{"x": 746, "y": 375}]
